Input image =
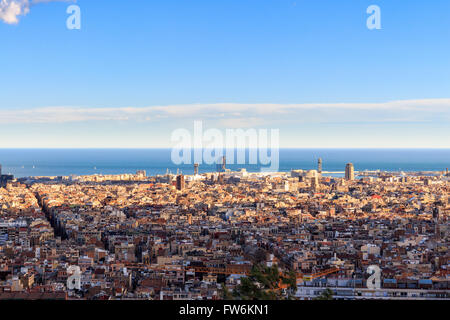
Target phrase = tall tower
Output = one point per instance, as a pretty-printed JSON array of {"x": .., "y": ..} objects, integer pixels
[
  {"x": 319, "y": 165},
  {"x": 0, "y": 170},
  {"x": 195, "y": 169},
  {"x": 221, "y": 167},
  {"x": 349, "y": 172},
  {"x": 436, "y": 215},
  {"x": 180, "y": 182}
]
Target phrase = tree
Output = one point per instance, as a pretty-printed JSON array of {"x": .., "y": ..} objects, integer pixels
[
  {"x": 327, "y": 294},
  {"x": 226, "y": 294},
  {"x": 264, "y": 283},
  {"x": 291, "y": 281},
  {"x": 260, "y": 255}
]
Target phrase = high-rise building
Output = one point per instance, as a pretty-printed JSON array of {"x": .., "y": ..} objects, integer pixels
[
  {"x": 195, "y": 169},
  {"x": 221, "y": 166},
  {"x": 180, "y": 182},
  {"x": 224, "y": 163},
  {"x": 436, "y": 216},
  {"x": 319, "y": 165},
  {"x": 349, "y": 172}
]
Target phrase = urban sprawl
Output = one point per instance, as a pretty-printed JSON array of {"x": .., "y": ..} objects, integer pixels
[{"x": 202, "y": 236}]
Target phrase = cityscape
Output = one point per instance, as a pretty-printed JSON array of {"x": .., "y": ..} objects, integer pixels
[
  {"x": 224, "y": 158},
  {"x": 205, "y": 236}
]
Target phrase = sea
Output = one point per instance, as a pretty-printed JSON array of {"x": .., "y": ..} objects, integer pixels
[{"x": 66, "y": 162}]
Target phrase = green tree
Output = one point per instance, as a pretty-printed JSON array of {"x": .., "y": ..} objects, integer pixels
[
  {"x": 327, "y": 294},
  {"x": 226, "y": 294},
  {"x": 291, "y": 281},
  {"x": 259, "y": 256},
  {"x": 263, "y": 283}
]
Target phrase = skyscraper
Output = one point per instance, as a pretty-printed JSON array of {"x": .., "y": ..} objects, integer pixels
[
  {"x": 4, "y": 178},
  {"x": 349, "y": 172},
  {"x": 224, "y": 163},
  {"x": 221, "y": 166},
  {"x": 436, "y": 215},
  {"x": 195, "y": 169},
  {"x": 180, "y": 182},
  {"x": 319, "y": 165}
]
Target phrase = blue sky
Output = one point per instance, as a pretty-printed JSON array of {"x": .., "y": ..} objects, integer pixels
[{"x": 139, "y": 69}]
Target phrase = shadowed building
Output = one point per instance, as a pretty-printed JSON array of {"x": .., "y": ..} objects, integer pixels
[
  {"x": 4, "y": 178},
  {"x": 349, "y": 172},
  {"x": 180, "y": 182}
]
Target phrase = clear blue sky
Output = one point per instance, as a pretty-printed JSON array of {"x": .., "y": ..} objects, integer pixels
[{"x": 242, "y": 53}]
